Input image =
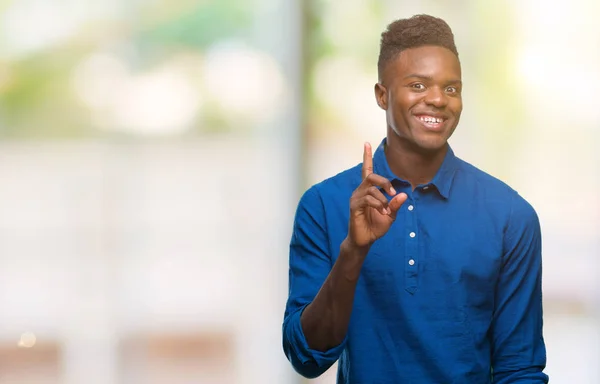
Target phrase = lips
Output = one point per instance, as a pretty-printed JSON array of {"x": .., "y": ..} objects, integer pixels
[{"x": 431, "y": 121}]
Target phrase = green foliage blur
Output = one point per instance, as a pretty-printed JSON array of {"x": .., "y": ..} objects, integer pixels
[{"x": 37, "y": 97}]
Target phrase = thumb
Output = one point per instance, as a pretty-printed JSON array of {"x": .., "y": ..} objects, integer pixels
[{"x": 396, "y": 203}]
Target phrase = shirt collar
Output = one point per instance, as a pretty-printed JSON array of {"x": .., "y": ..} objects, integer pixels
[{"x": 442, "y": 180}]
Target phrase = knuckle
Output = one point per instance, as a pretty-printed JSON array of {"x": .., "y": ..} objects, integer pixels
[{"x": 375, "y": 202}]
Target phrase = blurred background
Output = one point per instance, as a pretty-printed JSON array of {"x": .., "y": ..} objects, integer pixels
[{"x": 152, "y": 154}]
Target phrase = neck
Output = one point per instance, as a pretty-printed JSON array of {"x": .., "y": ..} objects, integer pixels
[{"x": 408, "y": 163}]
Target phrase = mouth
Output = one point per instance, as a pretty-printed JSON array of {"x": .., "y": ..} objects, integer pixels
[{"x": 431, "y": 122}]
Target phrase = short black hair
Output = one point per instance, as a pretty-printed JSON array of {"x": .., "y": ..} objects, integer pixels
[{"x": 413, "y": 32}]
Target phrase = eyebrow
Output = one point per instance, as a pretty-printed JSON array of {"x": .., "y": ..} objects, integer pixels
[{"x": 425, "y": 77}]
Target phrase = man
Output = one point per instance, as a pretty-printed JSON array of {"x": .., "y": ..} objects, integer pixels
[{"x": 415, "y": 266}]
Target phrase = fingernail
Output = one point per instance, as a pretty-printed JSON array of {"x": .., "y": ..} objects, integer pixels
[{"x": 393, "y": 190}]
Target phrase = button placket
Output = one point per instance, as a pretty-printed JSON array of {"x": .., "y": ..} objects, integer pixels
[{"x": 411, "y": 249}]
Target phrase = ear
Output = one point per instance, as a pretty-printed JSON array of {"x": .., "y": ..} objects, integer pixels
[{"x": 381, "y": 96}]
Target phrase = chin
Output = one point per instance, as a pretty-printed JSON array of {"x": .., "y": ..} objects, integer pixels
[
  {"x": 422, "y": 142},
  {"x": 431, "y": 145},
  {"x": 433, "y": 142}
]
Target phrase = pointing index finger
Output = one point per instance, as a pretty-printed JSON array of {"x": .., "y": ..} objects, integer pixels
[{"x": 367, "y": 167}]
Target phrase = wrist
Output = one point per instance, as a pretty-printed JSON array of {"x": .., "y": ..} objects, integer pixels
[
  {"x": 351, "y": 259},
  {"x": 350, "y": 247}
]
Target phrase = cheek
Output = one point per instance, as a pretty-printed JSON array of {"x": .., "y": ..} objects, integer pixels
[
  {"x": 457, "y": 107},
  {"x": 404, "y": 104}
]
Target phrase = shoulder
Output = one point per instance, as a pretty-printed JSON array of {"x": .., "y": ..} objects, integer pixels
[
  {"x": 498, "y": 193},
  {"x": 478, "y": 179},
  {"x": 335, "y": 187},
  {"x": 327, "y": 199}
]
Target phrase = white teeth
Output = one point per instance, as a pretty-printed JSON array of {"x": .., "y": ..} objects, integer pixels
[{"x": 428, "y": 119}]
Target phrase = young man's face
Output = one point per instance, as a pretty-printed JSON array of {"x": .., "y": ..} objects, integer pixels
[{"x": 421, "y": 95}]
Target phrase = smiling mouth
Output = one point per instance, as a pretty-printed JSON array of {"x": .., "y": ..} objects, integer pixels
[{"x": 431, "y": 122}]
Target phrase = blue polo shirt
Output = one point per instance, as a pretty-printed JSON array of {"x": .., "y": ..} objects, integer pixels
[{"x": 451, "y": 294}]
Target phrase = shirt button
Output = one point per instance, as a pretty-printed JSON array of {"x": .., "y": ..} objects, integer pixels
[
  {"x": 411, "y": 262},
  {"x": 410, "y": 207},
  {"x": 412, "y": 234}
]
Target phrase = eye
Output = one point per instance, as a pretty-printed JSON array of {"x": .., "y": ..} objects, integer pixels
[
  {"x": 418, "y": 86},
  {"x": 452, "y": 89}
]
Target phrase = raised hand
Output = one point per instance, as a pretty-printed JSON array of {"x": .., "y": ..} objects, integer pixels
[{"x": 371, "y": 215}]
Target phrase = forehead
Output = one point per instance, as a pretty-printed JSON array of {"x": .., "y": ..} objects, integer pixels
[{"x": 428, "y": 61}]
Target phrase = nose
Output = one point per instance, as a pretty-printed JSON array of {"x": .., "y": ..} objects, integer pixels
[{"x": 436, "y": 97}]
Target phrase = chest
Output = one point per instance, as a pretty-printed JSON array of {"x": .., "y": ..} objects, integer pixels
[{"x": 438, "y": 250}]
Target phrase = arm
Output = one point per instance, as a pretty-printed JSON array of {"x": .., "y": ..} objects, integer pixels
[
  {"x": 321, "y": 296},
  {"x": 325, "y": 320},
  {"x": 518, "y": 349},
  {"x": 314, "y": 331}
]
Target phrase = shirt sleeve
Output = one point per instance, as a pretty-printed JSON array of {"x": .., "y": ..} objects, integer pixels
[
  {"x": 519, "y": 352},
  {"x": 309, "y": 265}
]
